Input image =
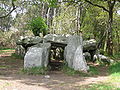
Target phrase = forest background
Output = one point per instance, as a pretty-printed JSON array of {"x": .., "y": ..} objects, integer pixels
[{"x": 95, "y": 19}]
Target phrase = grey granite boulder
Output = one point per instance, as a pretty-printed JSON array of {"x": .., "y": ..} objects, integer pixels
[
  {"x": 73, "y": 43},
  {"x": 37, "y": 56},
  {"x": 87, "y": 56},
  {"x": 89, "y": 45},
  {"x": 56, "y": 38},
  {"x": 29, "y": 40},
  {"x": 103, "y": 59},
  {"x": 73, "y": 54},
  {"x": 79, "y": 62}
]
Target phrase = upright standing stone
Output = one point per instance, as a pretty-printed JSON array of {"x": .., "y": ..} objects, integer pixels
[
  {"x": 37, "y": 56},
  {"x": 79, "y": 62},
  {"x": 73, "y": 42},
  {"x": 73, "y": 53}
]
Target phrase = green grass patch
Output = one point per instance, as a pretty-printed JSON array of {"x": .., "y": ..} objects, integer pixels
[
  {"x": 114, "y": 78},
  {"x": 71, "y": 72},
  {"x": 114, "y": 68},
  {"x": 114, "y": 71},
  {"x": 35, "y": 71},
  {"x": 93, "y": 71},
  {"x": 3, "y": 51},
  {"x": 17, "y": 56},
  {"x": 4, "y": 67},
  {"x": 100, "y": 86},
  {"x": 7, "y": 49}
]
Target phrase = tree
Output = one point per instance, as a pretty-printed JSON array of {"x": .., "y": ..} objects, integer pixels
[
  {"x": 13, "y": 8},
  {"x": 110, "y": 4},
  {"x": 110, "y": 11},
  {"x": 37, "y": 25}
]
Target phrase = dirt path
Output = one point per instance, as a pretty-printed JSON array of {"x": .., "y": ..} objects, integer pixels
[{"x": 11, "y": 79}]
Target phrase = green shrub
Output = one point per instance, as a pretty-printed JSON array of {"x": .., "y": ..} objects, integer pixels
[{"x": 37, "y": 25}]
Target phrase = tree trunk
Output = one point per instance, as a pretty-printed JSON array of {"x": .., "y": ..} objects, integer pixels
[
  {"x": 110, "y": 22},
  {"x": 110, "y": 42}
]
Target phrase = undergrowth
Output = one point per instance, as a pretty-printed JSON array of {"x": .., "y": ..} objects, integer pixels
[
  {"x": 113, "y": 82},
  {"x": 99, "y": 86},
  {"x": 114, "y": 71},
  {"x": 69, "y": 71},
  {"x": 116, "y": 56},
  {"x": 35, "y": 71},
  {"x": 16, "y": 56},
  {"x": 1, "y": 48},
  {"x": 114, "y": 68},
  {"x": 93, "y": 71}
]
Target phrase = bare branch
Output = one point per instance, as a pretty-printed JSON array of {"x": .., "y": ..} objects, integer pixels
[
  {"x": 97, "y": 5},
  {"x": 13, "y": 8}
]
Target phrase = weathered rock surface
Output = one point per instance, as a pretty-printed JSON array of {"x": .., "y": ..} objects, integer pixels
[
  {"x": 73, "y": 54},
  {"x": 89, "y": 44},
  {"x": 56, "y": 38},
  {"x": 87, "y": 56},
  {"x": 79, "y": 62},
  {"x": 73, "y": 43},
  {"x": 103, "y": 59},
  {"x": 37, "y": 56},
  {"x": 29, "y": 40},
  {"x": 38, "y": 50}
]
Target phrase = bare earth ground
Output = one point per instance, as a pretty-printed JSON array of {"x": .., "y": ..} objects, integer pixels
[{"x": 12, "y": 79}]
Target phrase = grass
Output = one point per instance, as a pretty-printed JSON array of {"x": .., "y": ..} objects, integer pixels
[
  {"x": 71, "y": 72},
  {"x": 114, "y": 71},
  {"x": 93, "y": 71},
  {"x": 100, "y": 86},
  {"x": 4, "y": 50},
  {"x": 16, "y": 56},
  {"x": 7, "y": 49},
  {"x": 113, "y": 82},
  {"x": 35, "y": 71},
  {"x": 4, "y": 66},
  {"x": 114, "y": 68}
]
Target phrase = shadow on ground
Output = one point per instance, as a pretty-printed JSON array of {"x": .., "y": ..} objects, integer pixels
[{"x": 10, "y": 68}]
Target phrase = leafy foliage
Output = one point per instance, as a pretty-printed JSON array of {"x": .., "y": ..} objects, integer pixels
[{"x": 37, "y": 25}]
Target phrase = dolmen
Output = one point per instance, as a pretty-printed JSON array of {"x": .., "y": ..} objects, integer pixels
[{"x": 36, "y": 50}]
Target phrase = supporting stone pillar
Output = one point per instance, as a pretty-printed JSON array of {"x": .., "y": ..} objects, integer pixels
[
  {"x": 73, "y": 54},
  {"x": 37, "y": 56}
]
